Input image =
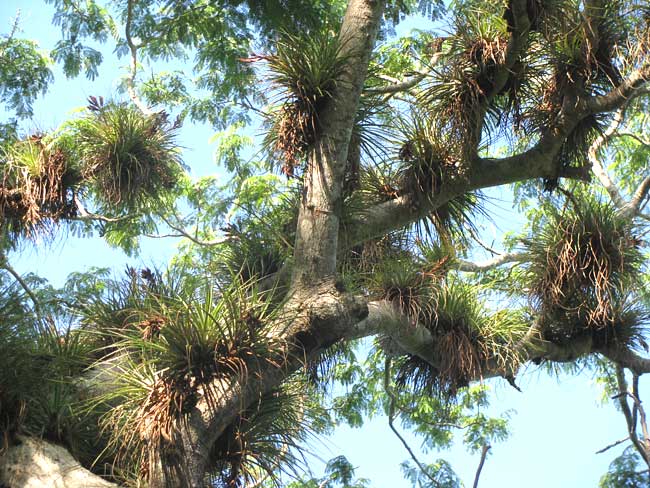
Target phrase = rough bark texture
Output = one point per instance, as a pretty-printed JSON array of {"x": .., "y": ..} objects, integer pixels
[
  {"x": 35, "y": 463},
  {"x": 320, "y": 210},
  {"x": 317, "y": 314}
]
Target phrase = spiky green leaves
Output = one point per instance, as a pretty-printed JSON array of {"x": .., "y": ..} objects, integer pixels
[
  {"x": 127, "y": 161},
  {"x": 466, "y": 338},
  {"x": 131, "y": 158},
  {"x": 39, "y": 180},
  {"x": 267, "y": 439},
  {"x": 160, "y": 355},
  {"x": 584, "y": 262},
  {"x": 459, "y": 92},
  {"x": 304, "y": 70},
  {"x": 38, "y": 367}
]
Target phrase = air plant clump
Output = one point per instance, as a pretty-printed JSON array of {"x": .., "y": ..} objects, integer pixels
[
  {"x": 130, "y": 156},
  {"x": 465, "y": 337},
  {"x": 401, "y": 281},
  {"x": 38, "y": 186},
  {"x": 205, "y": 337},
  {"x": 261, "y": 249},
  {"x": 582, "y": 262},
  {"x": 305, "y": 71},
  {"x": 265, "y": 440},
  {"x": 459, "y": 92},
  {"x": 427, "y": 158},
  {"x": 580, "y": 51}
]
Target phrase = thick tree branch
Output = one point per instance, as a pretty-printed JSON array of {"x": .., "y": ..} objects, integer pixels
[
  {"x": 517, "y": 43},
  {"x": 385, "y": 318},
  {"x": 622, "y": 356},
  {"x": 317, "y": 231},
  {"x": 633, "y": 86},
  {"x": 630, "y": 419},
  {"x": 313, "y": 319},
  {"x": 638, "y": 408},
  {"x": 633, "y": 207},
  {"x": 36, "y": 463},
  {"x": 537, "y": 162}
]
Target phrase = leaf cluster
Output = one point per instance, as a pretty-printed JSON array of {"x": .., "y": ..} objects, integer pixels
[{"x": 584, "y": 261}]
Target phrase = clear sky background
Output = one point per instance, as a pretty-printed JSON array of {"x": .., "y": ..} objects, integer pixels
[{"x": 557, "y": 424}]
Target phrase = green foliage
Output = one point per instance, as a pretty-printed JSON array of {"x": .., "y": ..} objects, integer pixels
[
  {"x": 269, "y": 439},
  {"x": 583, "y": 263},
  {"x": 130, "y": 157},
  {"x": 304, "y": 70},
  {"x": 338, "y": 473},
  {"x": 40, "y": 367},
  {"x": 155, "y": 342},
  {"x": 80, "y": 20},
  {"x": 24, "y": 74},
  {"x": 625, "y": 472},
  {"x": 438, "y": 474}
]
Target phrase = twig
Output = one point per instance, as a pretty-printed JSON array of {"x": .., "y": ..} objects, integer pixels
[
  {"x": 195, "y": 240},
  {"x": 613, "y": 444},
  {"x": 391, "y": 416},
  {"x": 636, "y": 137},
  {"x": 484, "y": 451},
  {"x": 130, "y": 81},
  {"x": 406, "y": 84},
  {"x": 86, "y": 215}
]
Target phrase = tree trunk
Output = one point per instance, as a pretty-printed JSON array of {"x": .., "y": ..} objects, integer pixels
[{"x": 320, "y": 209}]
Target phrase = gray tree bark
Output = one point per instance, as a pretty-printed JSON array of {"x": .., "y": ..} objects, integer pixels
[{"x": 35, "y": 463}]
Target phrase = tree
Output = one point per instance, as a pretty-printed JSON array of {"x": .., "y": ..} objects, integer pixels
[{"x": 214, "y": 370}]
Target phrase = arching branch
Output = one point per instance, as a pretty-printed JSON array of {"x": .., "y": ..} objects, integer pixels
[
  {"x": 4, "y": 264},
  {"x": 194, "y": 238}
]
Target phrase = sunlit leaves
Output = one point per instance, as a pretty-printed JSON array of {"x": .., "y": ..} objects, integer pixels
[
  {"x": 78, "y": 21},
  {"x": 438, "y": 475},
  {"x": 626, "y": 471},
  {"x": 24, "y": 74}
]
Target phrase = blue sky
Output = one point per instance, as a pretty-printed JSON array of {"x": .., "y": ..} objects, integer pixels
[{"x": 557, "y": 424}]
